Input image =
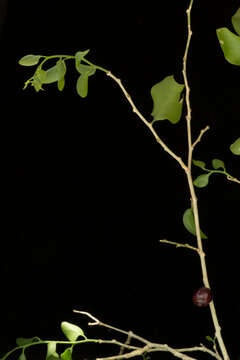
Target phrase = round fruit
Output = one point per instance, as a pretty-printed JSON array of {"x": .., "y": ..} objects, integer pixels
[{"x": 202, "y": 297}]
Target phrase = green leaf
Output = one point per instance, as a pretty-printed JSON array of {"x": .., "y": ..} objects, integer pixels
[
  {"x": 235, "y": 147},
  {"x": 40, "y": 74},
  {"x": 38, "y": 79},
  {"x": 189, "y": 223},
  {"x": 208, "y": 338},
  {"x": 26, "y": 341},
  {"x": 71, "y": 331},
  {"x": 166, "y": 100},
  {"x": 79, "y": 56},
  {"x": 37, "y": 84},
  {"x": 67, "y": 354},
  {"x": 51, "y": 351},
  {"x": 55, "y": 73},
  {"x": 217, "y": 164},
  {"x": 202, "y": 180},
  {"x": 61, "y": 84},
  {"x": 29, "y": 60},
  {"x": 86, "y": 69},
  {"x": 230, "y": 44},
  {"x": 22, "y": 356},
  {"x": 236, "y": 21},
  {"x": 199, "y": 163},
  {"x": 213, "y": 340},
  {"x": 82, "y": 85}
]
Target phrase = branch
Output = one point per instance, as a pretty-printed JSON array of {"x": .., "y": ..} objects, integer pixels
[
  {"x": 192, "y": 190},
  {"x": 100, "y": 323},
  {"x": 128, "y": 355},
  {"x": 200, "y": 136},
  {"x": 127, "y": 342},
  {"x": 230, "y": 178},
  {"x": 180, "y": 245},
  {"x": 148, "y": 124},
  {"x": 148, "y": 346}
]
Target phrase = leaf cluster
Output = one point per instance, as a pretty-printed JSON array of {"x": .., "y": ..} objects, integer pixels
[
  {"x": 203, "y": 179},
  {"x": 72, "y": 333},
  {"x": 56, "y": 73}
]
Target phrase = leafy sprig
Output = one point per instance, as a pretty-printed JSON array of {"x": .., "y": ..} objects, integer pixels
[{"x": 203, "y": 179}]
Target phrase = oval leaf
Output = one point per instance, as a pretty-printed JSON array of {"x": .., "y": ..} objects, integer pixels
[
  {"x": 86, "y": 69},
  {"x": 236, "y": 21},
  {"x": 71, "y": 331},
  {"x": 29, "y": 60},
  {"x": 22, "y": 356},
  {"x": 217, "y": 164},
  {"x": 235, "y": 147},
  {"x": 82, "y": 85},
  {"x": 202, "y": 180},
  {"x": 166, "y": 100},
  {"x": 230, "y": 44},
  {"x": 189, "y": 223},
  {"x": 199, "y": 163},
  {"x": 51, "y": 351},
  {"x": 61, "y": 84},
  {"x": 26, "y": 341},
  {"x": 55, "y": 73},
  {"x": 67, "y": 354}
]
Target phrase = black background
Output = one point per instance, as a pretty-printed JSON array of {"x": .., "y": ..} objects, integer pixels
[{"x": 87, "y": 192}]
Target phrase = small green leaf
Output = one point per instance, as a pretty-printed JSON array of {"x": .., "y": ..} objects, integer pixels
[
  {"x": 82, "y": 85},
  {"x": 71, "y": 331},
  {"x": 236, "y": 21},
  {"x": 38, "y": 79},
  {"x": 26, "y": 341},
  {"x": 86, "y": 69},
  {"x": 22, "y": 356},
  {"x": 51, "y": 351},
  {"x": 37, "y": 84},
  {"x": 29, "y": 60},
  {"x": 217, "y": 164},
  {"x": 199, "y": 163},
  {"x": 189, "y": 223},
  {"x": 79, "y": 56},
  {"x": 209, "y": 338},
  {"x": 67, "y": 354},
  {"x": 235, "y": 147},
  {"x": 230, "y": 44},
  {"x": 61, "y": 84},
  {"x": 55, "y": 73},
  {"x": 202, "y": 180},
  {"x": 166, "y": 100}
]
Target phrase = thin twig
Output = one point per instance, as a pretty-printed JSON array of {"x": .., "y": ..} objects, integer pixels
[
  {"x": 127, "y": 342},
  {"x": 180, "y": 245},
  {"x": 100, "y": 323},
  {"x": 230, "y": 178},
  {"x": 200, "y": 136}
]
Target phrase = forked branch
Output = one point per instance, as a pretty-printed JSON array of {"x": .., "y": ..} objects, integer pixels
[{"x": 145, "y": 346}]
